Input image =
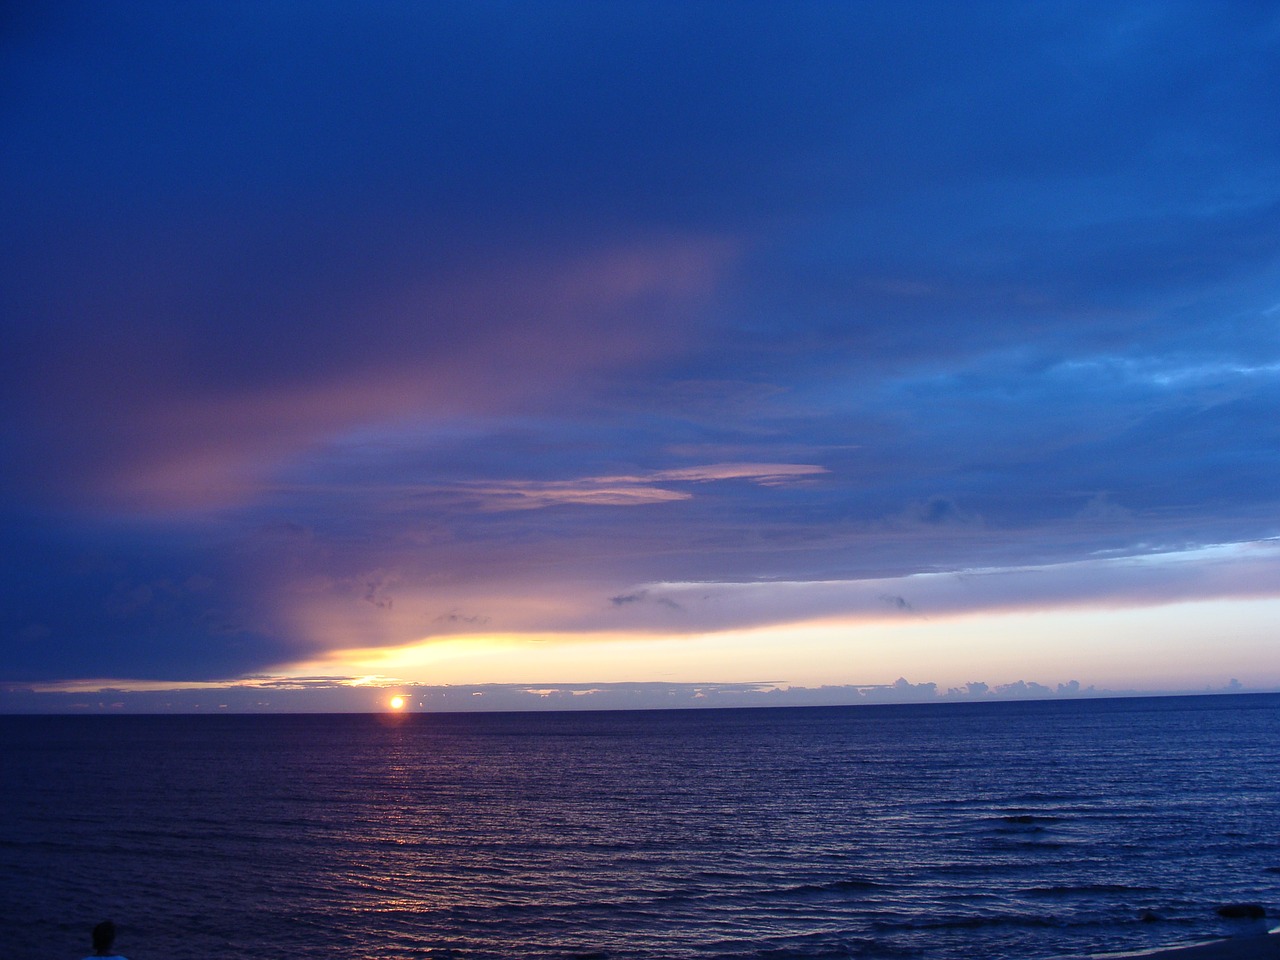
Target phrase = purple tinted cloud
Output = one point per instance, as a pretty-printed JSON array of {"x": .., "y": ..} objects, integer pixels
[{"x": 293, "y": 304}]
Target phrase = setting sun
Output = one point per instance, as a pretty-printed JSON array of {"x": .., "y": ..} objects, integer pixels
[{"x": 397, "y": 703}]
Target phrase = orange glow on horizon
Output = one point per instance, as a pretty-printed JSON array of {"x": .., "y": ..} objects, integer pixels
[
  {"x": 1044, "y": 645},
  {"x": 397, "y": 703}
]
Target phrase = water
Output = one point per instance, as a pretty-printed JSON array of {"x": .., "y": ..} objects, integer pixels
[{"x": 1017, "y": 830}]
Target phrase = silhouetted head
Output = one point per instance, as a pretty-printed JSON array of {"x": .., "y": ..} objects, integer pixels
[{"x": 104, "y": 935}]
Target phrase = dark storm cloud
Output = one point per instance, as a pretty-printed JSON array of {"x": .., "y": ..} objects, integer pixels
[
  {"x": 80, "y": 602},
  {"x": 414, "y": 307}
]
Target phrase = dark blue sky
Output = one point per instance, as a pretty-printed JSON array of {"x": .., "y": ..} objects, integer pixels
[{"x": 337, "y": 326}]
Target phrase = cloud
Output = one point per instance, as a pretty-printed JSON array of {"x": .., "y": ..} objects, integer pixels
[
  {"x": 629, "y": 490},
  {"x": 187, "y": 419},
  {"x": 767, "y": 474},
  {"x": 456, "y": 619},
  {"x": 598, "y": 491},
  {"x": 365, "y": 695},
  {"x": 456, "y": 300},
  {"x": 939, "y": 511},
  {"x": 1225, "y": 571},
  {"x": 897, "y": 602},
  {"x": 643, "y": 597}
]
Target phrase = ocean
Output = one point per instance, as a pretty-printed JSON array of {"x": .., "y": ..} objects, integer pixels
[{"x": 1019, "y": 830}]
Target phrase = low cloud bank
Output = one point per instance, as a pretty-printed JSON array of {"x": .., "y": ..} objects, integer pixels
[{"x": 341, "y": 695}]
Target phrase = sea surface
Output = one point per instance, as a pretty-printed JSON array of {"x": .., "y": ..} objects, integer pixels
[{"x": 941, "y": 831}]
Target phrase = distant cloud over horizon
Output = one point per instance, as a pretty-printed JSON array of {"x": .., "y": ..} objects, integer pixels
[{"x": 335, "y": 695}]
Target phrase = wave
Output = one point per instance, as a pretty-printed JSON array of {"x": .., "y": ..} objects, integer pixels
[
  {"x": 1067, "y": 890},
  {"x": 1028, "y": 819},
  {"x": 973, "y": 923},
  {"x": 713, "y": 841},
  {"x": 836, "y": 886}
]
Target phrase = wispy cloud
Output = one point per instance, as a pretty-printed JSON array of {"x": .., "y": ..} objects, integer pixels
[
  {"x": 1242, "y": 570},
  {"x": 625, "y": 490}
]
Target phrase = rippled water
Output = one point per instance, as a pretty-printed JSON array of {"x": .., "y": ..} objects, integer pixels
[{"x": 1020, "y": 830}]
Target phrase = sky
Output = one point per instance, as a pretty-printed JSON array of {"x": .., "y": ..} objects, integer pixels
[{"x": 619, "y": 353}]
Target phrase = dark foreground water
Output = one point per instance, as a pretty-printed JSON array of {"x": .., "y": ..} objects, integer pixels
[{"x": 1019, "y": 830}]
